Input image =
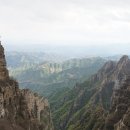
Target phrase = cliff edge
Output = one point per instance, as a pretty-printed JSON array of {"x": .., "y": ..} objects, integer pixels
[{"x": 20, "y": 109}]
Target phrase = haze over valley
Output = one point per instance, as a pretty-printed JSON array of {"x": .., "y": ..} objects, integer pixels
[{"x": 64, "y": 65}]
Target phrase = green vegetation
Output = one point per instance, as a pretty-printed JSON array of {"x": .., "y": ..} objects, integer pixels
[
  {"x": 67, "y": 86},
  {"x": 47, "y": 77}
]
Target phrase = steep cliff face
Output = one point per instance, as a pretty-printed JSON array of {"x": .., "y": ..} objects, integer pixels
[
  {"x": 119, "y": 116},
  {"x": 3, "y": 71},
  {"x": 88, "y": 104},
  {"x": 21, "y": 109}
]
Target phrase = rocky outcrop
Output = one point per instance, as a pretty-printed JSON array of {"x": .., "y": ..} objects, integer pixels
[
  {"x": 119, "y": 116},
  {"x": 21, "y": 109},
  {"x": 3, "y": 71}
]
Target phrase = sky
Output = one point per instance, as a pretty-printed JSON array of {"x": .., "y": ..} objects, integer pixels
[{"x": 65, "y": 22}]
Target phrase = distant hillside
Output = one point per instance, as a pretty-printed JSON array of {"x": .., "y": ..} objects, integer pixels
[{"x": 35, "y": 72}]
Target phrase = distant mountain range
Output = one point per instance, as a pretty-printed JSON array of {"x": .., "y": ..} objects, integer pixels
[{"x": 47, "y": 73}]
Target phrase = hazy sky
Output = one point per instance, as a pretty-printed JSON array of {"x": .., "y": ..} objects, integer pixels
[{"x": 65, "y": 22}]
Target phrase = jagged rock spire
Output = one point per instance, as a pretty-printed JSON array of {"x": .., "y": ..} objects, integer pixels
[{"x": 3, "y": 71}]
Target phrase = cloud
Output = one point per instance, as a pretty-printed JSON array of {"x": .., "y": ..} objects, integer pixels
[{"x": 66, "y": 21}]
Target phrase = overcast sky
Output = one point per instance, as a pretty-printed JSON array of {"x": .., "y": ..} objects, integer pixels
[{"x": 65, "y": 22}]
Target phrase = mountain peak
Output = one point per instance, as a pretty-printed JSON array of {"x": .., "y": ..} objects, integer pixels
[
  {"x": 3, "y": 70},
  {"x": 123, "y": 59},
  {"x": 108, "y": 66},
  {"x": 123, "y": 65}
]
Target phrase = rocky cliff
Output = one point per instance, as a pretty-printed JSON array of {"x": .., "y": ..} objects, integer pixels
[
  {"x": 100, "y": 103},
  {"x": 3, "y": 71},
  {"x": 119, "y": 115},
  {"x": 20, "y": 109}
]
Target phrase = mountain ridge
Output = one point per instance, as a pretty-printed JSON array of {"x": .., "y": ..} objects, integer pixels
[{"x": 89, "y": 103}]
